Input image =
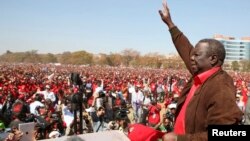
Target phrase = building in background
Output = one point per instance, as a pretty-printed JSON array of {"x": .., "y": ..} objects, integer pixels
[{"x": 236, "y": 49}]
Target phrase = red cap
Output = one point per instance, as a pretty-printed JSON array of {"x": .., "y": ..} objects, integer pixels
[
  {"x": 139, "y": 132},
  {"x": 17, "y": 107},
  {"x": 21, "y": 96}
]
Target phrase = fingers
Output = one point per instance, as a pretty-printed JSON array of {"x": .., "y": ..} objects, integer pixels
[
  {"x": 19, "y": 136},
  {"x": 164, "y": 11},
  {"x": 165, "y": 6},
  {"x": 15, "y": 136},
  {"x": 160, "y": 12},
  {"x": 164, "y": 3}
]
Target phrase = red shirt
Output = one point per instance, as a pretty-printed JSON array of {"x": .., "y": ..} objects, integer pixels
[
  {"x": 244, "y": 95},
  {"x": 154, "y": 114},
  {"x": 118, "y": 102},
  {"x": 198, "y": 81}
]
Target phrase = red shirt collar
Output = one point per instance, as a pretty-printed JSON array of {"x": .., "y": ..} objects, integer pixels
[{"x": 201, "y": 78}]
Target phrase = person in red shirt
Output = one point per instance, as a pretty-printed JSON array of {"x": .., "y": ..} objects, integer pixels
[
  {"x": 154, "y": 114},
  {"x": 244, "y": 91},
  {"x": 208, "y": 94},
  {"x": 50, "y": 106}
]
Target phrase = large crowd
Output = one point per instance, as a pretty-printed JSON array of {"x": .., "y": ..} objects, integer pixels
[{"x": 95, "y": 98}]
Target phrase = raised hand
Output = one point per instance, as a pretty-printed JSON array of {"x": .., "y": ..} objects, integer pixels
[
  {"x": 16, "y": 135},
  {"x": 165, "y": 15}
]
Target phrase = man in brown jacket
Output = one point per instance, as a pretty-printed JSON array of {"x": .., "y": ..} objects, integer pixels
[{"x": 209, "y": 96}]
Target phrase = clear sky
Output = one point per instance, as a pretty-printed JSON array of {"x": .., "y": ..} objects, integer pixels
[{"x": 105, "y": 26}]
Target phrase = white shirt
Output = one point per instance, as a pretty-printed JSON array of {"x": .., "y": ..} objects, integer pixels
[
  {"x": 146, "y": 101},
  {"x": 68, "y": 116},
  {"x": 34, "y": 105},
  {"x": 131, "y": 89},
  {"x": 137, "y": 97},
  {"x": 241, "y": 105},
  {"x": 98, "y": 89},
  {"x": 49, "y": 94},
  {"x": 99, "y": 101},
  {"x": 1, "y": 106}
]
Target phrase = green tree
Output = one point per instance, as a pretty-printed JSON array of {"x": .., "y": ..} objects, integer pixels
[
  {"x": 100, "y": 59},
  {"x": 8, "y": 52},
  {"x": 64, "y": 58},
  {"x": 235, "y": 66},
  {"x": 245, "y": 64},
  {"x": 32, "y": 57},
  {"x": 115, "y": 59},
  {"x": 129, "y": 55},
  {"x": 49, "y": 58},
  {"x": 81, "y": 57}
]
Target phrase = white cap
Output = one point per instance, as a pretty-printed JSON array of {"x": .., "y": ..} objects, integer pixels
[
  {"x": 176, "y": 95},
  {"x": 172, "y": 105},
  {"x": 90, "y": 109},
  {"x": 238, "y": 95},
  {"x": 47, "y": 86},
  {"x": 54, "y": 134}
]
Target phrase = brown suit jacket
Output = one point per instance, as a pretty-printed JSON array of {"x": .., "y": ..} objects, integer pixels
[{"x": 214, "y": 101}]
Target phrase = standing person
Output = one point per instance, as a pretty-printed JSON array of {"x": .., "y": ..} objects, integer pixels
[
  {"x": 145, "y": 106},
  {"x": 47, "y": 93},
  {"x": 6, "y": 111},
  {"x": 160, "y": 92},
  {"x": 209, "y": 93},
  {"x": 247, "y": 110},
  {"x": 98, "y": 95},
  {"x": 154, "y": 116},
  {"x": 239, "y": 102},
  {"x": 136, "y": 101},
  {"x": 35, "y": 104},
  {"x": 68, "y": 117},
  {"x": 98, "y": 122}
]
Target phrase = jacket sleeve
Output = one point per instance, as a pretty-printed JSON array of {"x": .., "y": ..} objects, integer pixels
[
  {"x": 202, "y": 136},
  {"x": 182, "y": 45}
]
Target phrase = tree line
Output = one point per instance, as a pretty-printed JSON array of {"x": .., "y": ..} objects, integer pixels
[{"x": 126, "y": 58}]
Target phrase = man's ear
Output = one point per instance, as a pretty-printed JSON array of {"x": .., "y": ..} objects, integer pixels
[{"x": 214, "y": 60}]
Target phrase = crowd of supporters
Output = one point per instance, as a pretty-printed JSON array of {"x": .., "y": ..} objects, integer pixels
[{"x": 111, "y": 98}]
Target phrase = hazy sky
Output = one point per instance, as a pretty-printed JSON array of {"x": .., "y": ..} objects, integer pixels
[{"x": 104, "y": 26}]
